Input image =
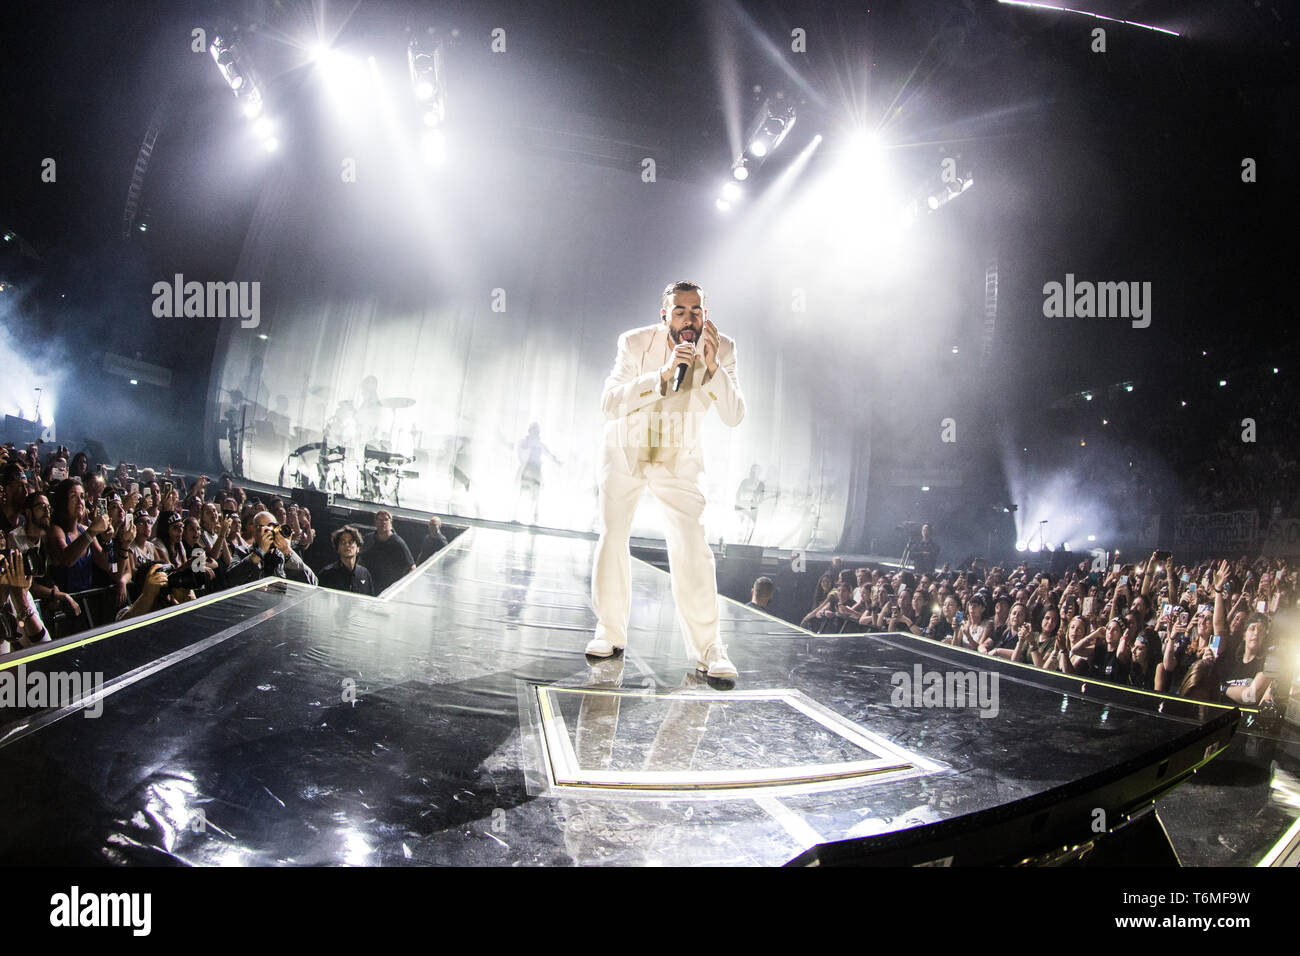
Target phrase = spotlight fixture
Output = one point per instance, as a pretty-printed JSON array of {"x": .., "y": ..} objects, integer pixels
[
  {"x": 424, "y": 57},
  {"x": 950, "y": 191},
  {"x": 731, "y": 191},
  {"x": 770, "y": 128},
  {"x": 241, "y": 80},
  {"x": 740, "y": 169},
  {"x": 722, "y": 204},
  {"x": 237, "y": 74}
]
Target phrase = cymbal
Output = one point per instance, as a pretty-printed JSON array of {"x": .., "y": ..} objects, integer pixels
[
  {"x": 319, "y": 390},
  {"x": 397, "y": 402},
  {"x": 379, "y": 454}
]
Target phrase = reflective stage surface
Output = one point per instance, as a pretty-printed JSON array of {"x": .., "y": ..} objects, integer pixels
[{"x": 458, "y": 722}]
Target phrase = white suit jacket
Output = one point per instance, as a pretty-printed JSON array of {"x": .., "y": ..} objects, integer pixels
[{"x": 632, "y": 391}]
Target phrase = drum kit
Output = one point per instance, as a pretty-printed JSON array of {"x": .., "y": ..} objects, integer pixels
[{"x": 343, "y": 466}]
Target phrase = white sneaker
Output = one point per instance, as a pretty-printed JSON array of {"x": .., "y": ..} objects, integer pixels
[
  {"x": 716, "y": 663},
  {"x": 599, "y": 647}
]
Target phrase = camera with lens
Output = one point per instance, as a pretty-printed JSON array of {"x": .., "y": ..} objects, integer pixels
[
  {"x": 187, "y": 579},
  {"x": 184, "y": 578},
  {"x": 30, "y": 561}
]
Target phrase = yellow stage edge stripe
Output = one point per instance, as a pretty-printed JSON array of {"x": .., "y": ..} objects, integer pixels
[{"x": 141, "y": 622}]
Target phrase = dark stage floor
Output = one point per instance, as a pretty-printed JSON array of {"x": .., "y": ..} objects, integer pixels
[{"x": 456, "y": 721}]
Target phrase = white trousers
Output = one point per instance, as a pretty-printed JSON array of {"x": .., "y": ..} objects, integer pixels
[{"x": 690, "y": 561}]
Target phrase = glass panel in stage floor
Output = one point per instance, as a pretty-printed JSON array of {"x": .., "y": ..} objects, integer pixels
[{"x": 698, "y": 741}]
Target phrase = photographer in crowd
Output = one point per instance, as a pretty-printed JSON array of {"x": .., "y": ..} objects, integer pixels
[
  {"x": 149, "y": 590},
  {"x": 269, "y": 555},
  {"x": 25, "y": 627},
  {"x": 835, "y": 615}
]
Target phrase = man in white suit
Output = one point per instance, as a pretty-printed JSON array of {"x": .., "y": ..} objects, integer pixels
[{"x": 652, "y": 438}]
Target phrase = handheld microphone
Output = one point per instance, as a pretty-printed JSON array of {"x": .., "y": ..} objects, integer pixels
[{"x": 680, "y": 375}]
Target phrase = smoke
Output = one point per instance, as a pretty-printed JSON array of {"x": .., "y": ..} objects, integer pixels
[
  {"x": 1106, "y": 489},
  {"x": 30, "y": 361}
]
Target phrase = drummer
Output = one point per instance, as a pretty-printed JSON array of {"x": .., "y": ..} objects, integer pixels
[
  {"x": 340, "y": 442},
  {"x": 369, "y": 413}
]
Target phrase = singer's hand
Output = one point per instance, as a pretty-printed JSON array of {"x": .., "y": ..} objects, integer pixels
[
  {"x": 709, "y": 345},
  {"x": 684, "y": 354}
]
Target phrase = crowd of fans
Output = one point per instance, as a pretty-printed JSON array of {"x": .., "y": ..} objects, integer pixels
[
  {"x": 84, "y": 545},
  {"x": 140, "y": 541},
  {"x": 1200, "y": 631}
]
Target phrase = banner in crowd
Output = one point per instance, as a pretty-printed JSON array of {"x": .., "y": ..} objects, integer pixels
[
  {"x": 1222, "y": 532},
  {"x": 1281, "y": 538}
]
